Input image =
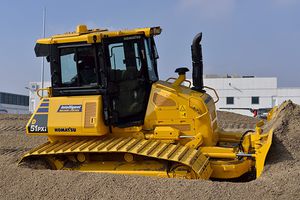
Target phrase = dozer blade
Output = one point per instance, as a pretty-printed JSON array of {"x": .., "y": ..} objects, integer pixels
[
  {"x": 261, "y": 153},
  {"x": 178, "y": 154}
]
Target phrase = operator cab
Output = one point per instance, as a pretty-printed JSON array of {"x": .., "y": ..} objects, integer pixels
[{"x": 121, "y": 69}]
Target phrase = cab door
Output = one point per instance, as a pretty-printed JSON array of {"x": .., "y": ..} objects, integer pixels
[{"x": 128, "y": 82}]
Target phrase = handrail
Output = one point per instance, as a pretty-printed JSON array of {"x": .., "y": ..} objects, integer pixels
[
  {"x": 171, "y": 78},
  {"x": 41, "y": 89},
  {"x": 218, "y": 98}
]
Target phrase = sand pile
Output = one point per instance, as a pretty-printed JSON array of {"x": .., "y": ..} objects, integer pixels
[
  {"x": 284, "y": 155},
  {"x": 287, "y": 128},
  {"x": 228, "y": 121},
  {"x": 280, "y": 179}
]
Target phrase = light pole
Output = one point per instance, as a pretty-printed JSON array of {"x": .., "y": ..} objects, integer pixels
[{"x": 43, "y": 59}]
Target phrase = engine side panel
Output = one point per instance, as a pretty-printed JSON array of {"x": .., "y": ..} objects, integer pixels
[{"x": 191, "y": 112}]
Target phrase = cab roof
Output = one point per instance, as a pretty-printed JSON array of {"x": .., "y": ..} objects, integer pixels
[{"x": 83, "y": 34}]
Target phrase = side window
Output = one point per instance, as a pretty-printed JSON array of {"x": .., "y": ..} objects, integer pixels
[
  {"x": 68, "y": 67},
  {"x": 125, "y": 60},
  {"x": 137, "y": 57},
  {"x": 117, "y": 56},
  {"x": 151, "y": 71}
]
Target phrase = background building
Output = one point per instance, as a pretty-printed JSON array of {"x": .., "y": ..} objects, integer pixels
[
  {"x": 33, "y": 97},
  {"x": 236, "y": 93},
  {"x": 14, "y": 103}
]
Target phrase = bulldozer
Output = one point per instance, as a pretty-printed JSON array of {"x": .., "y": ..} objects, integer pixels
[{"x": 107, "y": 111}]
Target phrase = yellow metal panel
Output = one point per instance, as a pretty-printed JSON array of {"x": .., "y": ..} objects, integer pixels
[
  {"x": 71, "y": 116},
  {"x": 230, "y": 169},
  {"x": 83, "y": 36},
  {"x": 165, "y": 133},
  {"x": 190, "y": 108}
]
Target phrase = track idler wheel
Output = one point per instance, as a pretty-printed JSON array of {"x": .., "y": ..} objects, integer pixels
[{"x": 181, "y": 171}]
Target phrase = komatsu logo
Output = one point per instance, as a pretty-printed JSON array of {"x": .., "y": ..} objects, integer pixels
[
  {"x": 132, "y": 37},
  {"x": 70, "y": 108},
  {"x": 65, "y": 129}
]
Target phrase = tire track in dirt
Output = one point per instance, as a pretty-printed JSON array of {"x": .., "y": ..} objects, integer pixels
[
  {"x": 12, "y": 151},
  {"x": 11, "y": 128}
]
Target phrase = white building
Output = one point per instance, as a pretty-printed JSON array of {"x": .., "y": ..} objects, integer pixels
[
  {"x": 237, "y": 94},
  {"x": 13, "y": 103}
]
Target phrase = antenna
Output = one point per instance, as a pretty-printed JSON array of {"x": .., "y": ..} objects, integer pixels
[{"x": 43, "y": 59}]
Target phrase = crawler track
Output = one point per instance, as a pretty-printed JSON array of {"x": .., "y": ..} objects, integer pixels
[{"x": 146, "y": 148}]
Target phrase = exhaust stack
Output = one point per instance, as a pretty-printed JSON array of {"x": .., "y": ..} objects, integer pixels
[{"x": 197, "y": 63}]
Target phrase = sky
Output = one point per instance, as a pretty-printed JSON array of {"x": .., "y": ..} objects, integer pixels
[{"x": 260, "y": 38}]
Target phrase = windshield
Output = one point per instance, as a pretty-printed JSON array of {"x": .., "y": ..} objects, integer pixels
[{"x": 78, "y": 66}]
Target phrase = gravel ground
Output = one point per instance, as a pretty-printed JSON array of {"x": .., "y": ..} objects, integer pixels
[{"x": 280, "y": 179}]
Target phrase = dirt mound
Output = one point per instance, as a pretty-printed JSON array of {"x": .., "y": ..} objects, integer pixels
[
  {"x": 280, "y": 179},
  {"x": 287, "y": 126},
  {"x": 232, "y": 121},
  {"x": 285, "y": 149}
]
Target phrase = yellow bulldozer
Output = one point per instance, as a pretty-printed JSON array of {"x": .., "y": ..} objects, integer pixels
[{"x": 107, "y": 111}]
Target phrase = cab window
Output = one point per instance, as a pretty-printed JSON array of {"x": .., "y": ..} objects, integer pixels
[
  {"x": 78, "y": 66},
  {"x": 150, "y": 61},
  {"x": 68, "y": 66},
  {"x": 125, "y": 60}
]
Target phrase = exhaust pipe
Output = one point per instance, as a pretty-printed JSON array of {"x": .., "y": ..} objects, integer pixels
[{"x": 197, "y": 63}]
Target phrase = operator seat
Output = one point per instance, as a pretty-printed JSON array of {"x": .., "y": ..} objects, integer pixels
[{"x": 87, "y": 71}]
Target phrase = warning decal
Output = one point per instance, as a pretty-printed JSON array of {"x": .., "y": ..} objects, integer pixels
[{"x": 182, "y": 111}]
